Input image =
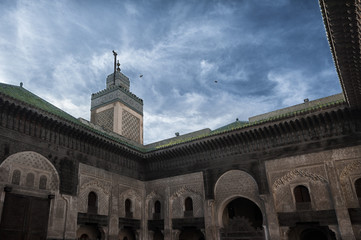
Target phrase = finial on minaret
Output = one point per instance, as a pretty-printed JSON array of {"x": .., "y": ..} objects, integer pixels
[
  {"x": 115, "y": 62},
  {"x": 118, "y": 64},
  {"x": 115, "y": 59}
]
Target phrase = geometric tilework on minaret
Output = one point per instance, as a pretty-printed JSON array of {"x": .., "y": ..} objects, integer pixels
[{"x": 117, "y": 109}]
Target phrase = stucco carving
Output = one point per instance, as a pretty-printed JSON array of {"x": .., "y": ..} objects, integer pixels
[
  {"x": 104, "y": 187},
  {"x": 150, "y": 200},
  {"x": 347, "y": 178},
  {"x": 29, "y": 162},
  {"x": 177, "y": 200},
  {"x": 136, "y": 202},
  {"x": 291, "y": 175},
  {"x": 352, "y": 167},
  {"x": 235, "y": 183},
  {"x": 153, "y": 195},
  {"x": 182, "y": 190},
  {"x": 101, "y": 189}
]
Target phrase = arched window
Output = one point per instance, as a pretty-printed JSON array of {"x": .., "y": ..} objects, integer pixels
[
  {"x": 301, "y": 194},
  {"x": 30, "y": 180},
  {"x": 42, "y": 182},
  {"x": 157, "y": 208},
  {"x": 358, "y": 188},
  {"x": 188, "y": 203},
  {"x": 84, "y": 237},
  {"x": 302, "y": 197},
  {"x": 128, "y": 207},
  {"x": 92, "y": 203},
  {"x": 16, "y": 177},
  {"x": 188, "y": 206}
]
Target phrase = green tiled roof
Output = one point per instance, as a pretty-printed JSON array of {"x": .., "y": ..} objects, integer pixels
[
  {"x": 235, "y": 125},
  {"x": 244, "y": 124},
  {"x": 23, "y": 95},
  {"x": 229, "y": 127}
]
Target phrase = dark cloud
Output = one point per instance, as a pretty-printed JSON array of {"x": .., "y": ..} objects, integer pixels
[{"x": 263, "y": 55}]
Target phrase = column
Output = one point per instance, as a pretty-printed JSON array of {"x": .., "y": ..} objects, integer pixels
[
  {"x": 210, "y": 220},
  {"x": 150, "y": 235},
  {"x": 271, "y": 226},
  {"x": 175, "y": 234},
  {"x": 167, "y": 215},
  {"x": 343, "y": 218},
  {"x": 113, "y": 230}
]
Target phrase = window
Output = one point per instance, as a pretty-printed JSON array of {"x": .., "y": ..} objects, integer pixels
[
  {"x": 302, "y": 197},
  {"x": 128, "y": 207},
  {"x": 301, "y": 194},
  {"x": 188, "y": 206},
  {"x": 42, "y": 182},
  {"x": 84, "y": 237},
  {"x": 16, "y": 177},
  {"x": 30, "y": 180},
  {"x": 157, "y": 208},
  {"x": 92, "y": 203},
  {"x": 358, "y": 188}
]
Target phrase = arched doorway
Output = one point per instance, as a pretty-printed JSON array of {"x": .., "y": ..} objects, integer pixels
[
  {"x": 126, "y": 234},
  {"x": 313, "y": 234},
  {"x": 89, "y": 232},
  {"x": 310, "y": 231},
  {"x": 84, "y": 237},
  {"x": 242, "y": 218},
  {"x": 158, "y": 235},
  {"x": 191, "y": 234}
]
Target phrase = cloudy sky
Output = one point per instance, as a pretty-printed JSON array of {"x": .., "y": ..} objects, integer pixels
[{"x": 204, "y": 62}]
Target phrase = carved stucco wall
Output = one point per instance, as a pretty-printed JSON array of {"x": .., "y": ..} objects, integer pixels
[
  {"x": 135, "y": 196},
  {"x": 349, "y": 172},
  {"x": 233, "y": 184},
  {"x": 173, "y": 191},
  {"x": 311, "y": 170},
  {"x": 150, "y": 200},
  {"x": 282, "y": 189},
  {"x": 94, "y": 180},
  {"x": 105, "y": 119},
  {"x": 32, "y": 166},
  {"x": 178, "y": 197},
  {"x": 130, "y": 126},
  {"x": 101, "y": 189},
  {"x": 112, "y": 191}
]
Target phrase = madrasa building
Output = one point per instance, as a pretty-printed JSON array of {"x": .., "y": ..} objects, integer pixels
[{"x": 294, "y": 173}]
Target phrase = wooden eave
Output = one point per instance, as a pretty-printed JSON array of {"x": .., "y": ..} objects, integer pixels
[
  {"x": 55, "y": 122},
  {"x": 342, "y": 19},
  {"x": 257, "y": 134}
]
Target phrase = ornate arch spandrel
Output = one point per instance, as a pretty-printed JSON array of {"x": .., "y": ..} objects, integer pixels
[{"x": 26, "y": 162}]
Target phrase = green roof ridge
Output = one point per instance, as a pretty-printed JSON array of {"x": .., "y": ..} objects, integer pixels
[
  {"x": 27, "y": 97},
  {"x": 249, "y": 124}
]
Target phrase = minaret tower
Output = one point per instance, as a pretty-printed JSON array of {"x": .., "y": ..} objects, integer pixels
[{"x": 116, "y": 108}]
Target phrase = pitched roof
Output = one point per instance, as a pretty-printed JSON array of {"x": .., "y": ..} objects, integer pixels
[
  {"x": 27, "y": 97},
  {"x": 21, "y": 94}
]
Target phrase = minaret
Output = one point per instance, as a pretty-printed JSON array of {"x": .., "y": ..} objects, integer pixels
[{"x": 116, "y": 108}]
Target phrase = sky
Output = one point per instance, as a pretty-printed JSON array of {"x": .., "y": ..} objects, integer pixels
[{"x": 204, "y": 63}]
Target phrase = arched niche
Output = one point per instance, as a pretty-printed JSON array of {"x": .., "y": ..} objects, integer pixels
[
  {"x": 234, "y": 184},
  {"x": 30, "y": 167}
]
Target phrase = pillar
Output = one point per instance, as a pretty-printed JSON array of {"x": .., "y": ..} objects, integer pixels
[
  {"x": 339, "y": 202},
  {"x": 210, "y": 220}
]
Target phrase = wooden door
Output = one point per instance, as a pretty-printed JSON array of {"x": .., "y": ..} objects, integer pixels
[{"x": 24, "y": 217}]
